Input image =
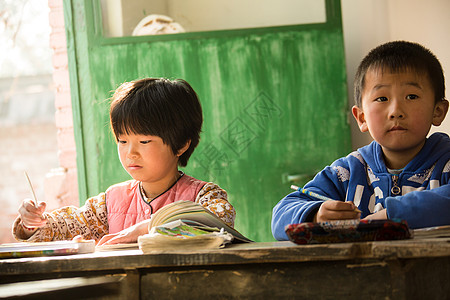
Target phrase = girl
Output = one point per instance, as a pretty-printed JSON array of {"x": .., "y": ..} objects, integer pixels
[{"x": 157, "y": 125}]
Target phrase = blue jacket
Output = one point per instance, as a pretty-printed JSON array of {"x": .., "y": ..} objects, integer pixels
[{"x": 423, "y": 198}]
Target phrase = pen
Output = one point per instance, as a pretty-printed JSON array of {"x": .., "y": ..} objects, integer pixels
[{"x": 315, "y": 195}]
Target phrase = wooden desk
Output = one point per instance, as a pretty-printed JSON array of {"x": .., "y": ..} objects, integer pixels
[{"x": 406, "y": 269}]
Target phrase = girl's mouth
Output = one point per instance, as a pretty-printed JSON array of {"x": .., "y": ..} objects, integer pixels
[{"x": 134, "y": 167}]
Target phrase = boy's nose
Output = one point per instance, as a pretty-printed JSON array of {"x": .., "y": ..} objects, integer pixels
[
  {"x": 396, "y": 116},
  {"x": 396, "y": 110}
]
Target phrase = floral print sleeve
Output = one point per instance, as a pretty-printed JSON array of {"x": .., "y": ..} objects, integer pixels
[
  {"x": 65, "y": 223},
  {"x": 214, "y": 199}
]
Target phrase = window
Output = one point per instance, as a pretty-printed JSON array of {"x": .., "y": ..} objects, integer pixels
[{"x": 123, "y": 17}]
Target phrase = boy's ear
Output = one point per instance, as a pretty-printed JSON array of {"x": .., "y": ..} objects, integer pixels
[
  {"x": 359, "y": 117},
  {"x": 184, "y": 148},
  {"x": 440, "y": 111}
]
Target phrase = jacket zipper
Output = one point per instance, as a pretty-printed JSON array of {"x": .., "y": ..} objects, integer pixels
[{"x": 395, "y": 190}]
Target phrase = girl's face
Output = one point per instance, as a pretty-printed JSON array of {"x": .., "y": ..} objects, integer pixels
[
  {"x": 146, "y": 158},
  {"x": 398, "y": 110}
]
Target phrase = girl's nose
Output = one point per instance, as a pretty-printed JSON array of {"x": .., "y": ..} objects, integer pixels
[
  {"x": 132, "y": 152},
  {"x": 132, "y": 155}
]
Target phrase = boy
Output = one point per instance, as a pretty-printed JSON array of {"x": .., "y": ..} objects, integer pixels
[{"x": 399, "y": 94}]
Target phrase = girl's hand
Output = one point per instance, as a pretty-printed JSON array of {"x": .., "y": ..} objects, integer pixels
[
  {"x": 31, "y": 215},
  {"x": 337, "y": 210},
  {"x": 128, "y": 235}
]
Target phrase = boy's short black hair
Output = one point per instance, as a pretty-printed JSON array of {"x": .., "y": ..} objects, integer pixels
[
  {"x": 169, "y": 109},
  {"x": 399, "y": 56}
]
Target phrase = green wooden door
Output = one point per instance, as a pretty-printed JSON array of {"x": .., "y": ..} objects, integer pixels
[{"x": 274, "y": 103}]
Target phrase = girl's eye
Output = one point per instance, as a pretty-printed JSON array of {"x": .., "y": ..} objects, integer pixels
[
  {"x": 412, "y": 97},
  {"x": 145, "y": 142},
  {"x": 121, "y": 141},
  {"x": 381, "y": 99}
]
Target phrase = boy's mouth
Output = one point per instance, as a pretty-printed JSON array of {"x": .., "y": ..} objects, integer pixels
[{"x": 397, "y": 128}]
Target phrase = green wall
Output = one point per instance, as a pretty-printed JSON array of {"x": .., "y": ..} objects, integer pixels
[{"x": 274, "y": 103}]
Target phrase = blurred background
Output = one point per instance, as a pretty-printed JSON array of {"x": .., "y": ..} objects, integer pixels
[{"x": 27, "y": 105}]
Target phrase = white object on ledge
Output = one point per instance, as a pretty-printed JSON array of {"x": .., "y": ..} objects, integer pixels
[{"x": 157, "y": 24}]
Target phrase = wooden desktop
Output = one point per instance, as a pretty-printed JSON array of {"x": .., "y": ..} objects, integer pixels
[{"x": 406, "y": 269}]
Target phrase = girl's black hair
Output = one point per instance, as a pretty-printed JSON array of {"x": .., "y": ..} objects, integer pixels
[{"x": 169, "y": 109}]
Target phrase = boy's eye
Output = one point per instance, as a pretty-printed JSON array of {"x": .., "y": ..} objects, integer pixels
[
  {"x": 145, "y": 142},
  {"x": 121, "y": 141},
  {"x": 412, "y": 97},
  {"x": 381, "y": 99}
]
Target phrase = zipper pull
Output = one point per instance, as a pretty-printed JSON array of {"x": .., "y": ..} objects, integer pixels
[{"x": 395, "y": 190}]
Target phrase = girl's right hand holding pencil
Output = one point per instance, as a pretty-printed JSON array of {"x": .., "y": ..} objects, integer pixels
[
  {"x": 337, "y": 210},
  {"x": 32, "y": 215}
]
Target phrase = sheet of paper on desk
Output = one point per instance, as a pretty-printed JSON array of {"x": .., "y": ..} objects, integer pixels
[
  {"x": 114, "y": 247},
  {"x": 25, "y": 249},
  {"x": 432, "y": 232}
]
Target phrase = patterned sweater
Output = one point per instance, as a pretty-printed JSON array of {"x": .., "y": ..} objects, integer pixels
[
  {"x": 420, "y": 194},
  {"x": 91, "y": 220}
]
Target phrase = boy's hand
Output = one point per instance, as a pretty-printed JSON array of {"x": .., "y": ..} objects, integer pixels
[
  {"x": 31, "y": 215},
  {"x": 128, "y": 235},
  {"x": 336, "y": 210},
  {"x": 379, "y": 215}
]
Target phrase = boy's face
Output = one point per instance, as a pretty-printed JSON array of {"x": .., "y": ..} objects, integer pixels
[{"x": 398, "y": 110}]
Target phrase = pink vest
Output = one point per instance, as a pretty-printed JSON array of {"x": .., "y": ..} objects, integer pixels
[{"x": 126, "y": 206}]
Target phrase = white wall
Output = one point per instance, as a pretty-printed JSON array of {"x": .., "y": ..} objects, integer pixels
[
  {"x": 202, "y": 15},
  {"x": 368, "y": 23}
]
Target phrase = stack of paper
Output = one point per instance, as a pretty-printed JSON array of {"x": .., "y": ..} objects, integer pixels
[
  {"x": 26, "y": 249},
  {"x": 179, "y": 237}
]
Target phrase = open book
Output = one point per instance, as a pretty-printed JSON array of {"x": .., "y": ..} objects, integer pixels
[{"x": 195, "y": 215}]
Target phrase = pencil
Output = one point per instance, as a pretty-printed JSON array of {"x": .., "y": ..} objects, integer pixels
[
  {"x": 35, "y": 202},
  {"x": 315, "y": 195},
  {"x": 32, "y": 189}
]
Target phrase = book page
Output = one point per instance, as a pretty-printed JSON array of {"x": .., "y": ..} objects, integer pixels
[
  {"x": 192, "y": 214},
  {"x": 177, "y": 236}
]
